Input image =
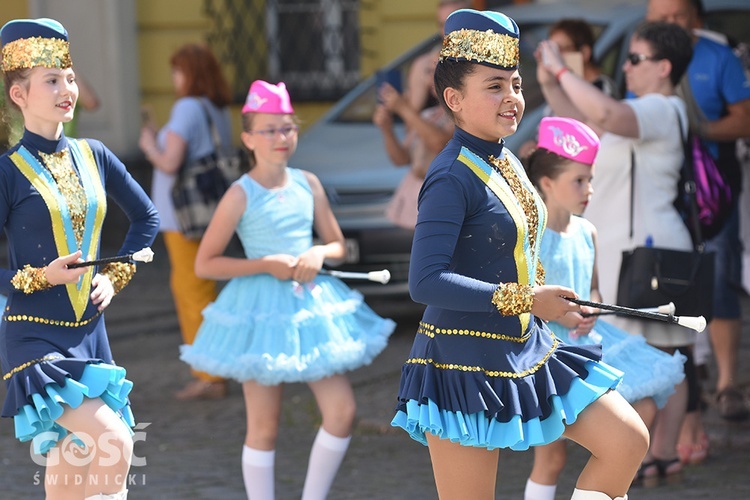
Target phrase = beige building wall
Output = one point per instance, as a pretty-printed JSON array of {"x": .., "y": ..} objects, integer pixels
[{"x": 123, "y": 48}]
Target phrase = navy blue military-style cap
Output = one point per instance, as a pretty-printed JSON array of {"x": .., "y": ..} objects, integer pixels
[{"x": 485, "y": 37}]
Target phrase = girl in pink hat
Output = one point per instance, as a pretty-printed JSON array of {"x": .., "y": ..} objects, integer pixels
[
  {"x": 278, "y": 320},
  {"x": 561, "y": 168}
]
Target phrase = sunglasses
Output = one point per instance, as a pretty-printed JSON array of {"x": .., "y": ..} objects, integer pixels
[{"x": 636, "y": 59}]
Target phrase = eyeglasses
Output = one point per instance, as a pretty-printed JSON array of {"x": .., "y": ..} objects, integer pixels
[
  {"x": 636, "y": 59},
  {"x": 270, "y": 133}
]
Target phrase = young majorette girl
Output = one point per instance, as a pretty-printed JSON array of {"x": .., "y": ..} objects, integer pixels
[
  {"x": 278, "y": 320},
  {"x": 54, "y": 350},
  {"x": 484, "y": 371},
  {"x": 561, "y": 168}
]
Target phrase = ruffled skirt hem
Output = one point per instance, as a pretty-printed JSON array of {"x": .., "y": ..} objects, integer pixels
[
  {"x": 272, "y": 331},
  {"x": 481, "y": 430},
  {"x": 323, "y": 361},
  {"x": 35, "y": 421}
]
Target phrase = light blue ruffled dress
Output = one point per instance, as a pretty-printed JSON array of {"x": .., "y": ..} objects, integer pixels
[
  {"x": 568, "y": 260},
  {"x": 272, "y": 331}
]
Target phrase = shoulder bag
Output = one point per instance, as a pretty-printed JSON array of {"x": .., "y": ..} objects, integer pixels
[
  {"x": 652, "y": 276},
  {"x": 200, "y": 184}
]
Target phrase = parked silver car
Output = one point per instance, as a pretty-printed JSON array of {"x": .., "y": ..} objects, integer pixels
[{"x": 345, "y": 150}]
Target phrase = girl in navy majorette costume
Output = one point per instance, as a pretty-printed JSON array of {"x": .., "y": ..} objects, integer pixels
[
  {"x": 485, "y": 372},
  {"x": 54, "y": 350}
]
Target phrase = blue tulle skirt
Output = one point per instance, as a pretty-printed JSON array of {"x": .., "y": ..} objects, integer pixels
[
  {"x": 648, "y": 372},
  {"x": 50, "y": 387},
  {"x": 272, "y": 331}
]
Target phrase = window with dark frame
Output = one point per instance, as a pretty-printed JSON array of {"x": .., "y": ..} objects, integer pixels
[{"x": 311, "y": 45}]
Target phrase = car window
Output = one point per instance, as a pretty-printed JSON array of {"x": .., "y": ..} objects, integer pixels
[{"x": 732, "y": 23}]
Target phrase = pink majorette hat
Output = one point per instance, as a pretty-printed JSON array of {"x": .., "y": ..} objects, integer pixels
[
  {"x": 568, "y": 138},
  {"x": 264, "y": 97}
]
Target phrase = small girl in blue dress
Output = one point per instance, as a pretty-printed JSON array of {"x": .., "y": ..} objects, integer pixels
[
  {"x": 561, "y": 168},
  {"x": 278, "y": 320}
]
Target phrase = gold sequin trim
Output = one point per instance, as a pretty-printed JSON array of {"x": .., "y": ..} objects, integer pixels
[
  {"x": 53, "y": 322},
  {"x": 523, "y": 195},
  {"x": 541, "y": 275},
  {"x": 119, "y": 273},
  {"x": 482, "y": 47},
  {"x": 49, "y": 357},
  {"x": 36, "y": 51},
  {"x": 430, "y": 331},
  {"x": 60, "y": 166},
  {"x": 479, "y": 369},
  {"x": 30, "y": 279},
  {"x": 512, "y": 299}
]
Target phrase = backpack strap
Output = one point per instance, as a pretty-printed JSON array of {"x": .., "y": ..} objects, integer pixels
[{"x": 689, "y": 180}]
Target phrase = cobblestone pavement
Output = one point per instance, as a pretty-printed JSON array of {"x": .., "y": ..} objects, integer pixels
[{"x": 192, "y": 449}]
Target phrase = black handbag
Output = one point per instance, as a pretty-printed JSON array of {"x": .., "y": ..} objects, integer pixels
[
  {"x": 200, "y": 185},
  {"x": 651, "y": 276}
]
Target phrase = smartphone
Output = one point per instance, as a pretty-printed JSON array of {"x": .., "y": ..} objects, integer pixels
[
  {"x": 391, "y": 76},
  {"x": 574, "y": 61}
]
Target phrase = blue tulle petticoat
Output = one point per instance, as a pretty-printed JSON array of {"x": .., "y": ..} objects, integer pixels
[
  {"x": 273, "y": 331},
  {"x": 484, "y": 430},
  {"x": 35, "y": 420},
  {"x": 649, "y": 372}
]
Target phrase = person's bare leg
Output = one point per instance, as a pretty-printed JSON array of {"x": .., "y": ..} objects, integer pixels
[
  {"x": 112, "y": 445},
  {"x": 617, "y": 439},
  {"x": 725, "y": 340},
  {"x": 666, "y": 429},
  {"x": 646, "y": 409},
  {"x": 62, "y": 479},
  {"x": 549, "y": 461},
  {"x": 462, "y": 472}
]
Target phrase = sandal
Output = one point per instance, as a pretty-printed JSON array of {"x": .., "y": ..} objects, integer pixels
[
  {"x": 647, "y": 475},
  {"x": 670, "y": 470},
  {"x": 731, "y": 404}
]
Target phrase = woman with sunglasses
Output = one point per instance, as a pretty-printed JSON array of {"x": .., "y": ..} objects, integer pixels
[{"x": 642, "y": 148}]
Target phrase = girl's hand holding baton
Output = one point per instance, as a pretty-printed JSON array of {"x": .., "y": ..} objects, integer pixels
[{"x": 144, "y": 255}]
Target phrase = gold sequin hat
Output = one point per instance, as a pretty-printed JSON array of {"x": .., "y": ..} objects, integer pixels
[
  {"x": 484, "y": 37},
  {"x": 28, "y": 43}
]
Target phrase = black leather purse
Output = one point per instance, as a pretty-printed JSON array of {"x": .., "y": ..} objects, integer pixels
[{"x": 651, "y": 276}]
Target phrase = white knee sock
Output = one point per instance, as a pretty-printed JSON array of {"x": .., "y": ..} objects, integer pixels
[
  {"x": 257, "y": 471},
  {"x": 536, "y": 491},
  {"x": 593, "y": 495},
  {"x": 325, "y": 458}
]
